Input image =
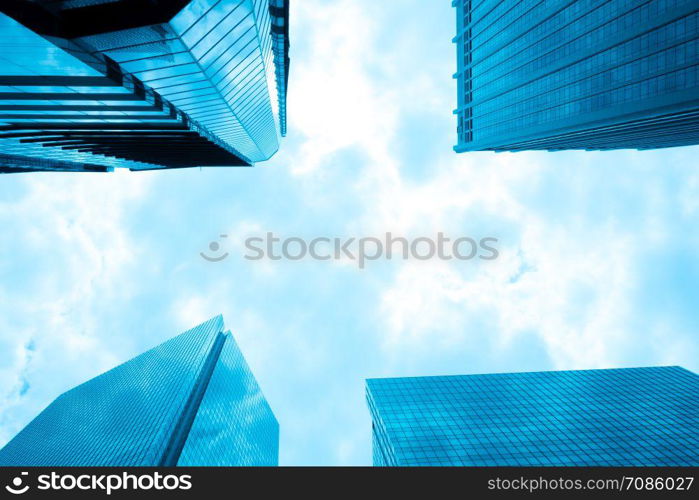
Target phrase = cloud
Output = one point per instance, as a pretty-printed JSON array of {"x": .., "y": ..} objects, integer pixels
[
  {"x": 65, "y": 248},
  {"x": 596, "y": 265},
  {"x": 567, "y": 274},
  {"x": 577, "y": 230},
  {"x": 574, "y": 227},
  {"x": 336, "y": 103}
]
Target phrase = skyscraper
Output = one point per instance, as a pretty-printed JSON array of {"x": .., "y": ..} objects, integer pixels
[
  {"x": 580, "y": 74},
  {"x": 622, "y": 417},
  {"x": 191, "y": 401},
  {"x": 91, "y": 85}
]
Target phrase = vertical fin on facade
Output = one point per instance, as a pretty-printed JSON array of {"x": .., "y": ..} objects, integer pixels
[
  {"x": 142, "y": 412},
  {"x": 189, "y": 412}
]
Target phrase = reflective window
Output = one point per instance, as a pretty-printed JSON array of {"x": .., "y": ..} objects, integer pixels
[{"x": 623, "y": 417}]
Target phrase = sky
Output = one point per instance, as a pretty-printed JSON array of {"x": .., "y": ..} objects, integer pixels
[{"x": 597, "y": 265}]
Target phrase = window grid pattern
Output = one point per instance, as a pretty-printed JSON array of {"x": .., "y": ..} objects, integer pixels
[
  {"x": 622, "y": 417},
  {"x": 234, "y": 424},
  {"x": 122, "y": 417},
  {"x": 213, "y": 60},
  {"x": 191, "y": 392},
  {"x": 540, "y": 47},
  {"x": 544, "y": 74},
  {"x": 280, "y": 38},
  {"x": 29, "y": 54},
  {"x": 204, "y": 84},
  {"x": 524, "y": 100}
]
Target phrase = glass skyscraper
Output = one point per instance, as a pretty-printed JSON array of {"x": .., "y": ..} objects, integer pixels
[
  {"x": 577, "y": 74},
  {"x": 620, "y": 417},
  {"x": 90, "y": 85},
  {"x": 192, "y": 401}
]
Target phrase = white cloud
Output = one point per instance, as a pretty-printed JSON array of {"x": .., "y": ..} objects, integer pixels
[
  {"x": 579, "y": 288},
  {"x": 68, "y": 243},
  {"x": 334, "y": 102},
  {"x": 576, "y": 231}
]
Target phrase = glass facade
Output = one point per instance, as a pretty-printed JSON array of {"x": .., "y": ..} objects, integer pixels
[
  {"x": 190, "y": 401},
  {"x": 582, "y": 74},
  {"x": 232, "y": 396},
  {"x": 620, "y": 417},
  {"x": 93, "y": 85}
]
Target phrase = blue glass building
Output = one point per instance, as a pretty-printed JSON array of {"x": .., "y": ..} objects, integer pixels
[
  {"x": 90, "y": 85},
  {"x": 577, "y": 74},
  {"x": 192, "y": 401},
  {"x": 621, "y": 417}
]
